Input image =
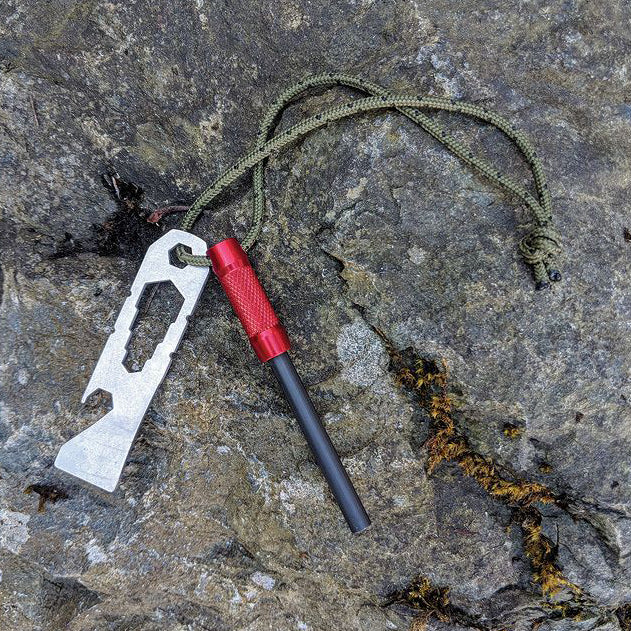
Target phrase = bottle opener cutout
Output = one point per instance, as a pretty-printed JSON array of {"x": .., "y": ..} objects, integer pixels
[{"x": 97, "y": 455}]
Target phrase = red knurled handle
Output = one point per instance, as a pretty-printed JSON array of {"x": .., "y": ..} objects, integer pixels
[{"x": 248, "y": 299}]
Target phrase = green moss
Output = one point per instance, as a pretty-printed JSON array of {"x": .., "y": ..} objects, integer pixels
[
  {"x": 512, "y": 431},
  {"x": 429, "y": 382},
  {"x": 427, "y": 599}
]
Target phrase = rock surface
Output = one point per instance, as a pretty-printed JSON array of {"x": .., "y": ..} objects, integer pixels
[{"x": 222, "y": 520}]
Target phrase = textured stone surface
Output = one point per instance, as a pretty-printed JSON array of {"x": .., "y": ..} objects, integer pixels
[{"x": 222, "y": 520}]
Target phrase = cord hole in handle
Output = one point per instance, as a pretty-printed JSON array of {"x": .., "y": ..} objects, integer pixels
[{"x": 173, "y": 258}]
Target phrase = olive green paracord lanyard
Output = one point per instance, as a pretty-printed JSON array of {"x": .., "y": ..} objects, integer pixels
[{"x": 538, "y": 248}]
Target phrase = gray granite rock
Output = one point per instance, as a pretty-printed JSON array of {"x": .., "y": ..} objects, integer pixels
[{"x": 222, "y": 520}]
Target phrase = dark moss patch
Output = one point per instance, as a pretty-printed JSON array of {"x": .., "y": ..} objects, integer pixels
[
  {"x": 624, "y": 617},
  {"x": 47, "y": 494},
  {"x": 68, "y": 246},
  {"x": 126, "y": 233}
]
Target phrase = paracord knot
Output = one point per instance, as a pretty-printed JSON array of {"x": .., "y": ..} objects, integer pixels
[{"x": 539, "y": 248}]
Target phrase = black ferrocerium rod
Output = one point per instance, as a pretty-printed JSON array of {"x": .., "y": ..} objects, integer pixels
[
  {"x": 270, "y": 343},
  {"x": 320, "y": 443}
]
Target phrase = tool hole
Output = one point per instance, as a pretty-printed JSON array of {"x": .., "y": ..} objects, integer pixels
[
  {"x": 99, "y": 403},
  {"x": 158, "y": 308},
  {"x": 174, "y": 260}
]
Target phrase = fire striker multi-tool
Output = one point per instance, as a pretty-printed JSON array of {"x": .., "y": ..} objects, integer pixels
[{"x": 97, "y": 455}]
